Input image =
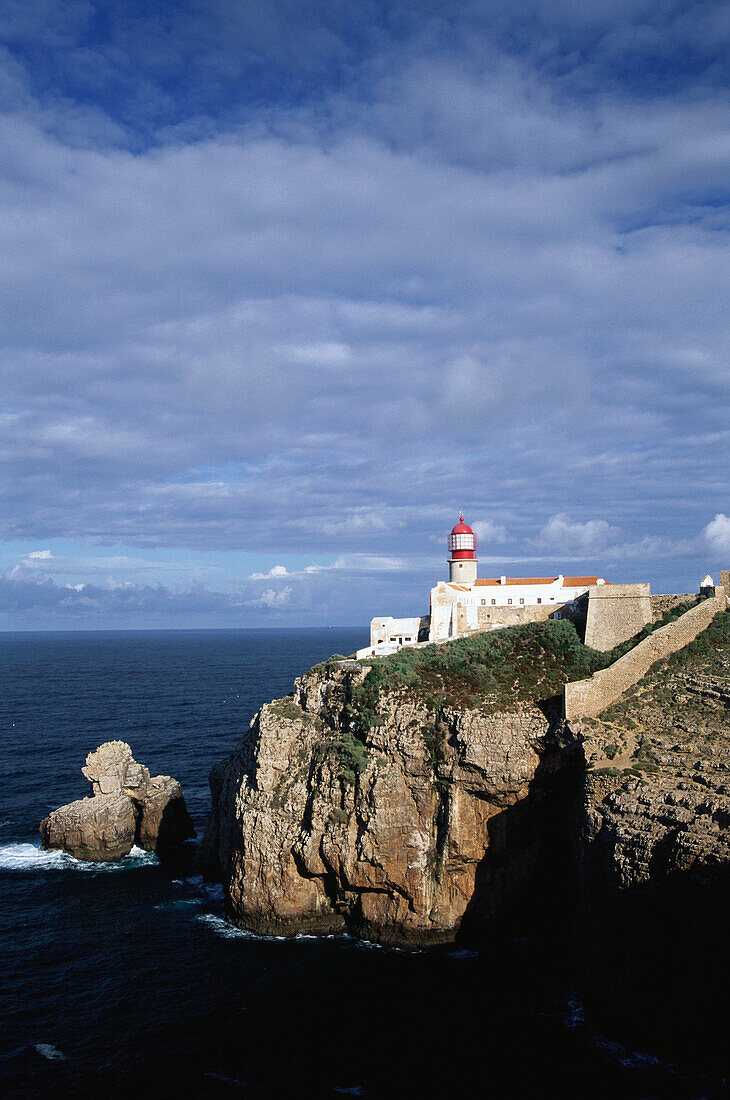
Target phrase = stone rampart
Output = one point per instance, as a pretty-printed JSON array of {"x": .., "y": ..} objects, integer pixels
[
  {"x": 663, "y": 604},
  {"x": 494, "y": 617},
  {"x": 587, "y": 698},
  {"x": 488, "y": 618},
  {"x": 615, "y": 613}
]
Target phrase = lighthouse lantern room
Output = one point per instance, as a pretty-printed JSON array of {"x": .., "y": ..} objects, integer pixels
[{"x": 462, "y": 547}]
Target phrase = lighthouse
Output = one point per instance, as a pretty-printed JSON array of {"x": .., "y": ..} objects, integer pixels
[{"x": 462, "y": 547}]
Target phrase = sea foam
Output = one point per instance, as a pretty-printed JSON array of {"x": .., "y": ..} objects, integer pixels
[
  {"x": 29, "y": 857},
  {"x": 47, "y": 1050}
]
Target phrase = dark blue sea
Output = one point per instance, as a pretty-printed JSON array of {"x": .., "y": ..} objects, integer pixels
[{"x": 126, "y": 980}]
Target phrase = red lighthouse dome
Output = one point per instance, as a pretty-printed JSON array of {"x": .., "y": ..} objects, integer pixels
[{"x": 462, "y": 542}]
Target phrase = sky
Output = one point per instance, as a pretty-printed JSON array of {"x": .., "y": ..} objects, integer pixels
[{"x": 286, "y": 284}]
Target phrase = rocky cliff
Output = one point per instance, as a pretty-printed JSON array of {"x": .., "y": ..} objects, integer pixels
[
  {"x": 439, "y": 794},
  {"x": 404, "y": 809},
  {"x": 653, "y": 851}
]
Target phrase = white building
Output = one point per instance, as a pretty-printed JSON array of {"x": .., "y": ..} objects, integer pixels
[
  {"x": 388, "y": 635},
  {"x": 502, "y": 601},
  {"x": 466, "y": 603}
]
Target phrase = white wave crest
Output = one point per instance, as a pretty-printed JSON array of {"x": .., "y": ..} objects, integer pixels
[
  {"x": 229, "y": 931},
  {"x": 29, "y": 857},
  {"x": 47, "y": 1050}
]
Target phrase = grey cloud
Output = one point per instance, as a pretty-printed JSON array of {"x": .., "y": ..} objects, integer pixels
[
  {"x": 451, "y": 282},
  {"x": 562, "y": 535},
  {"x": 42, "y": 563}
]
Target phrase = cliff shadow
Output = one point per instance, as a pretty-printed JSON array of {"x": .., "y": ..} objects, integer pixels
[
  {"x": 526, "y": 882},
  {"x": 653, "y": 960},
  {"x": 176, "y": 827}
]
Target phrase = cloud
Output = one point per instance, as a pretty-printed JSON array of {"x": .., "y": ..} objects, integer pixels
[
  {"x": 717, "y": 535},
  {"x": 272, "y": 598},
  {"x": 562, "y": 535},
  {"x": 43, "y": 563},
  {"x": 297, "y": 278},
  {"x": 275, "y": 571},
  {"x": 487, "y": 532}
]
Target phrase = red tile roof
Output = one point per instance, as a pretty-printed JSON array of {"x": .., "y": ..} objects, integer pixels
[
  {"x": 518, "y": 580},
  {"x": 568, "y": 582}
]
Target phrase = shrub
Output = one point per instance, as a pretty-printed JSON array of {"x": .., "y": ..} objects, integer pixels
[
  {"x": 352, "y": 754},
  {"x": 287, "y": 708},
  {"x": 490, "y": 671}
]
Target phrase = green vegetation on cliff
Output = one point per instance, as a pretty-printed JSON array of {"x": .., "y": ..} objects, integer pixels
[
  {"x": 675, "y": 720},
  {"x": 491, "y": 671}
]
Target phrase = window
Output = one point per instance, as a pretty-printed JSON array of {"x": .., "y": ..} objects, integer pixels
[
  {"x": 461, "y": 542},
  {"x": 539, "y": 599},
  {"x": 521, "y": 600},
  {"x": 484, "y": 601},
  {"x": 493, "y": 602},
  {"x": 509, "y": 601}
]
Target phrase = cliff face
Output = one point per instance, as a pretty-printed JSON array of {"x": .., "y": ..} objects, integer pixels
[
  {"x": 402, "y": 834},
  {"x": 434, "y": 798},
  {"x": 654, "y": 850}
]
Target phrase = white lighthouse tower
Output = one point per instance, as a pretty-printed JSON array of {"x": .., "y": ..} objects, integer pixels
[{"x": 462, "y": 547}]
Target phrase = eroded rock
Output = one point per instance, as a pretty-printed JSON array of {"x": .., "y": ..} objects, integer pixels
[
  {"x": 112, "y": 768},
  {"x": 127, "y": 807},
  {"x": 654, "y": 854},
  {"x": 401, "y": 838},
  {"x": 97, "y": 829},
  {"x": 164, "y": 821}
]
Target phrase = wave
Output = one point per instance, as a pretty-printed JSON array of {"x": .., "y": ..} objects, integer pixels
[
  {"x": 29, "y": 857},
  {"x": 212, "y": 891},
  {"x": 573, "y": 1016},
  {"x": 229, "y": 931},
  {"x": 47, "y": 1050}
]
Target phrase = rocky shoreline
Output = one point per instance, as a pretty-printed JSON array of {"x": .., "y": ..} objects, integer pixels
[{"x": 441, "y": 822}]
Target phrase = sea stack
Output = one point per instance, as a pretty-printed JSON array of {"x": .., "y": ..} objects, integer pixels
[{"x": 126, "y": 807}]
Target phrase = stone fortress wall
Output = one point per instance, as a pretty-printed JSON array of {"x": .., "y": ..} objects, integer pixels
[
  {"x": 616, "y": 612},
  {"x": 490, "y": 617},
  {"x": 663, "y": 604},
  {"x": 587, "y": 698}
]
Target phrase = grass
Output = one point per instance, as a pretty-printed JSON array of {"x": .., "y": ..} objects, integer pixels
[
  {"x": 708, "y": 654},
  {"x": 491, "y": 671},
  {"x": 286, "y": 708}
]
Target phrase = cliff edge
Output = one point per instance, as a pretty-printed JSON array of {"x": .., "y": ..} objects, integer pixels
[
  {"x": 405, "y": 801},
  {"x": 653, "y": 851},
  {"x": 440, "y": 794}
]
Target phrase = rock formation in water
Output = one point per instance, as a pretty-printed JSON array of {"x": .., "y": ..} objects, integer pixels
[{"x": 126, "y": 807}]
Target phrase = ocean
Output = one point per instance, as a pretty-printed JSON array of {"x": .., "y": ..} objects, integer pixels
[{"x": 125, "y": 979}]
